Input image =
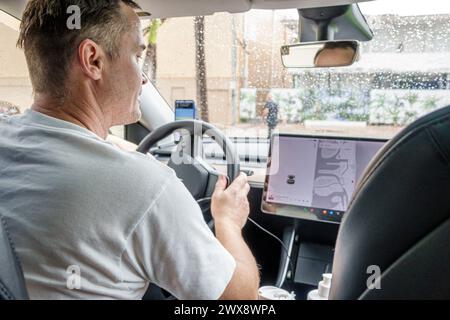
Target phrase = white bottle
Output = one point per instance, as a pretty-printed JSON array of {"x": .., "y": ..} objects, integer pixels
[
  {"x": 323, "y": 291},
  {"x": 274, "y": 293}
]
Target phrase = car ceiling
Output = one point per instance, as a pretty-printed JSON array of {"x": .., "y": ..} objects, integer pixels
[{"x": 180, "y": 8}]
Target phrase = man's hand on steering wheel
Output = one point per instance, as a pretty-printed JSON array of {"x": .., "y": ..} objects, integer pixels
[{"x": 230, "y": 205}]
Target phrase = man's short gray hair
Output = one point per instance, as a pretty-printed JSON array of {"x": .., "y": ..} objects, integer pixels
[{"x": 49, "y": 45}]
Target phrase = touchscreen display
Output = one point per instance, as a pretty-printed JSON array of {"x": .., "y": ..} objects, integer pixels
[{"x": 315, "y": 176}]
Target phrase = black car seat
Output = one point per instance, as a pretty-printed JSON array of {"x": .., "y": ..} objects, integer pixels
[
  {"x": 398, "y": 223},
  {"x": 12, "y": 283}
]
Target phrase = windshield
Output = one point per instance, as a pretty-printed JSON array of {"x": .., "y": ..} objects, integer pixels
[{"x": 230, "y": 65}]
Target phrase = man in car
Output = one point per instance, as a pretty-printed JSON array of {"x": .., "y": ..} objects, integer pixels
[{"x": 88, "y": 219}]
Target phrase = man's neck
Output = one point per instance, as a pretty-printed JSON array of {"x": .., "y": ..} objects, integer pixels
[{"x": 86, "y": 115}]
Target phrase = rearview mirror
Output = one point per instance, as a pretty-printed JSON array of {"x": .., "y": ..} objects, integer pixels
[{"x": 323, "y": 54}]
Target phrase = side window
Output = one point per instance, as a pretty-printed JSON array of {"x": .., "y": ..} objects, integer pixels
[{"x": 15, "y": 85}]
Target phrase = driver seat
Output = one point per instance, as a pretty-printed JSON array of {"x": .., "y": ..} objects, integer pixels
[
  {"x": 12, "y": 283},
  {"x": 398, "y": 223}
]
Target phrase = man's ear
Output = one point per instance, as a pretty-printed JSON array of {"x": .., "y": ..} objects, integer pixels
[{"x": 91, "y": 58}]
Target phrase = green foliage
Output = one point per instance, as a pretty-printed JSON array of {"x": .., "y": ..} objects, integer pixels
[
  {"x": 390, "y": 107},
  {"x": 412, "y": 98},
  {"x": 311, "y": 108},
  {"x": 400, "y": 110},
  {"x": 430, "y": 103},
  {"x": 349, "y": 110},
  {"x": 247, "y": 105},
  {"x": 152, "y": 31}
]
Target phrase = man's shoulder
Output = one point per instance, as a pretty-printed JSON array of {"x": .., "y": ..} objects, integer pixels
[
  {"x": 120, "y": 171},
  {"x": 149, "y": 167},
  {"x": 142, "y": 170},
  {"x": 125, "y": 185}
]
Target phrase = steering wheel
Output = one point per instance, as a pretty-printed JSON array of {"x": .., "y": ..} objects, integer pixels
[{"x": 187, "y": 160}]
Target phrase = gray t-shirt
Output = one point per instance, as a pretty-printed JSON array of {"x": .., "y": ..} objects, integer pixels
[{"x": 91, "y": 221}]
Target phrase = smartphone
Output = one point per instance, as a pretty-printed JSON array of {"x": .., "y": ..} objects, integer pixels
[{"x": 185, "y": 110}]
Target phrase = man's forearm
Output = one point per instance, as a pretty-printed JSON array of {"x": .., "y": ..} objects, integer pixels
[{"x": 245, "y": 281}]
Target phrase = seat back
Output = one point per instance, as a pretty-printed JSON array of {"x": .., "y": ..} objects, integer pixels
[
  {"x": 12, "y": 283},
  {"x": 398, "y": 223}
]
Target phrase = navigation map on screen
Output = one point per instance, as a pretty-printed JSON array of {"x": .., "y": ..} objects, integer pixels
[{"x": 317, "y": 174}]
